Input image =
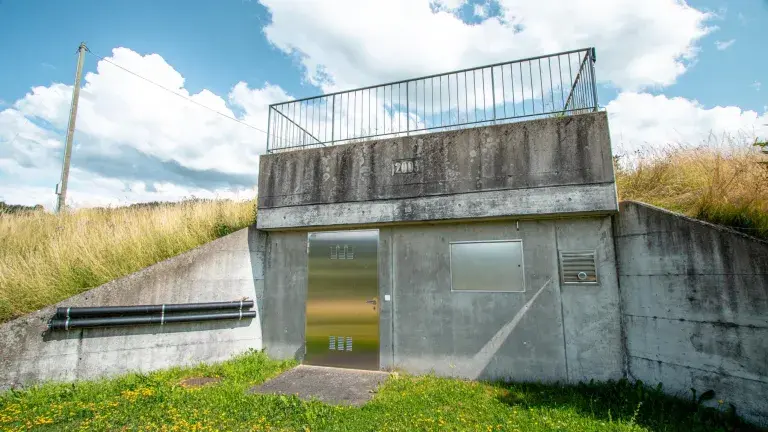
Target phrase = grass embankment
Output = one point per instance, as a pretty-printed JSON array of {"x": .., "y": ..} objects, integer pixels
[
  {"x": 405, "y": 403},
  {"x": 726, "y": 185},
  {"x": 46, "y": 258}
]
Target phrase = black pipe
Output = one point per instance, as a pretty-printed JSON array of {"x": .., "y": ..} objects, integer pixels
[
  {"x": 83, "y": 312},
  {"x": 72, "y": 323}
]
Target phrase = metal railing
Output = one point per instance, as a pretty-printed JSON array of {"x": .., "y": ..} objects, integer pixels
[{"x": 552, "y": 85}]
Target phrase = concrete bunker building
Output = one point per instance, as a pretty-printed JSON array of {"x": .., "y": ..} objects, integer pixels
[{"x": 454, "y": 238}]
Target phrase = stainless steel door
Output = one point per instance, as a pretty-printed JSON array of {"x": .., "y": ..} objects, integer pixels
[{"x": 342, "y": 300}]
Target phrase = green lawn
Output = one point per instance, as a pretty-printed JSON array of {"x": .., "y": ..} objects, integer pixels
[{"x": 405, "y": 403}]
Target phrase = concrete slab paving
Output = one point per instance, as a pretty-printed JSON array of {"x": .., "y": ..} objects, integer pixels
[{"x": 330, "y": 385}]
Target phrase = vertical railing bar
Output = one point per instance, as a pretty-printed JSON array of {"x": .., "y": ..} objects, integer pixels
[
  {"x": 399, "y": 106},
  {"x": 306, "y": 118},
  {"x": 512, "y": 83},
  {"x": 293, "y": 130},
  {"x": 466, "y": 96},
  {"x": 485, "y": 109},
  {"x": 493, "y": 93},
  {"x": 424, "y": 99},
  {"x": 441, "y": 100},
  {"x": 541, "y": 86},
  {"x": 560, "y": 72},
  {"x": 570, "y": 72},
  {"x": 280, "y": 127},
  {"x": 407, "y": 108},
  {"x": 458, "y": 106},
  {"x": 392, "y": 108},
  {"x": 448, "y": 78},
  {"x": 522, "y": 86},
  {"x": 333, "y": 118},
  {"x": 302, "y": 137},
  {"x": 551, "y": 86},
  {"x": 474, "y": 93},
  {"x": 325, "y": 120},
  {"x": 416, "y": 101},
  {"x": 530, "y": 75},
  {"x": 503, "y": 90},
  {"x": 593, "y": 78}
]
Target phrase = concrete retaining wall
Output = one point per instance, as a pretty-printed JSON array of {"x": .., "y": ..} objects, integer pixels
[
  {"x": 539, "y": 167},
  {"x": 551, "y": 332},
  {"x": 229, "y": 268},
  {"x": 695, "y": 307}
]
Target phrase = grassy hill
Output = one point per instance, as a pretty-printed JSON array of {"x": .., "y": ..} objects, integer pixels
[
  {"x": 46, "y": 258},
  {"x": 726, "y": 185}
]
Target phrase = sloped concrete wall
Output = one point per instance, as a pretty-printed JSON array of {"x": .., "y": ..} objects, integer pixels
[
  {"x": 695, "y": 307},
  {"x": 538, "y": 167},
  {"x": 226, "y": 269}
]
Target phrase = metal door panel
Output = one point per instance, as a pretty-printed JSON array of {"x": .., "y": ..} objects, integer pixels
[{"x": 342, "y": 300}]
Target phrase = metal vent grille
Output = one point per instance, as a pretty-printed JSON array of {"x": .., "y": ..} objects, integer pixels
[
  {"x": 331, "y": 342},
  {"x": 578, "y": 267},
  {"x": 349, "y": 344}
]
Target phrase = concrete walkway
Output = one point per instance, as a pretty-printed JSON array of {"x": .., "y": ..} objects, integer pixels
[{"x": 330, "y": 385}]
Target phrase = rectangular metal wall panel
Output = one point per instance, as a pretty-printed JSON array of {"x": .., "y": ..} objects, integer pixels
[
  {"x": 491, "y": 266},
  {"x": 342, "y": 300}
]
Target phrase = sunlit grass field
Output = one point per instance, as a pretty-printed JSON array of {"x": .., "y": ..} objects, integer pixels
[{"x": 158, "y": 402}]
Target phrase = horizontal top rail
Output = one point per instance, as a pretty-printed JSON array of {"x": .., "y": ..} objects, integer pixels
[{"x": 556, "y": 84}]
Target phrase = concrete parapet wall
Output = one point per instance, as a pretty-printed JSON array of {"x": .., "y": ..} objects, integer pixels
[
  {"x": 547, "y": 166},
  {"x": 226, "y": 269},
  {"x": 694, "y": 306}
]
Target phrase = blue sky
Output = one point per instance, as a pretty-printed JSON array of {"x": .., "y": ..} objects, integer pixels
[{"x": 668, "y": 72}]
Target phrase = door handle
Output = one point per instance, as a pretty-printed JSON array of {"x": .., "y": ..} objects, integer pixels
[{"x": 373, "y": 302}]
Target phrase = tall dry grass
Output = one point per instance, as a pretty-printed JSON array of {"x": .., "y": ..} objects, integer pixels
[
  {"x": 722, "y": 183},
  {"x": 46, "y": 258}
]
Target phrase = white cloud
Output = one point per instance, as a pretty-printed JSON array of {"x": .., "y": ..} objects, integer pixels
[
  {"x": 641, "y": 120},
  {"x": 121, "y": 116},
  {"x": 356, "y": 43},
  {"x": 724, "y": 45}
]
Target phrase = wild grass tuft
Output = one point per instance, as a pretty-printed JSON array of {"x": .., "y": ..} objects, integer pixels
[{"x": 722, "y": 183}]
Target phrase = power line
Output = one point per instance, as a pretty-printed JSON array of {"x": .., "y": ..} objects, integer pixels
[{"x": 174, "y": 93}]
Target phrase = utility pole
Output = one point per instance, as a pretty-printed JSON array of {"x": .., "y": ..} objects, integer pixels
[{"x": 61, "y": 188}]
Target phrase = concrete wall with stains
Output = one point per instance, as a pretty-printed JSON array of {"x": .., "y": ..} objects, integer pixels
[
  {"x": 539, "y": 167},
  {"x": 549, "y": 332},
  {"x": 694, "y": 306},
  {"x": 227, "y": 269}
]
